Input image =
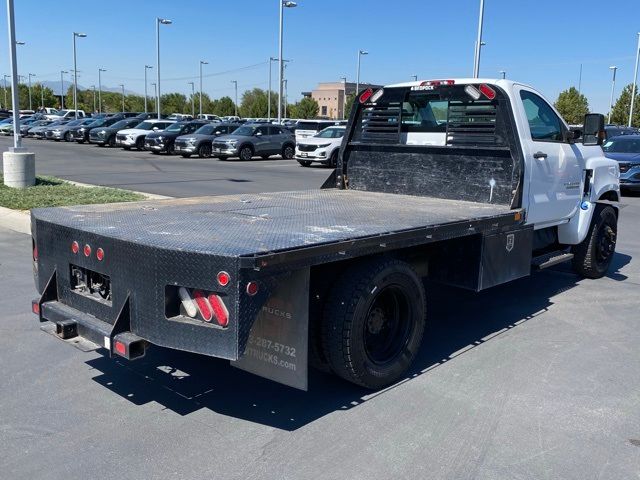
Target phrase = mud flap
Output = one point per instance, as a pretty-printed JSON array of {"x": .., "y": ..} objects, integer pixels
[{"x": 278, "y": 342}]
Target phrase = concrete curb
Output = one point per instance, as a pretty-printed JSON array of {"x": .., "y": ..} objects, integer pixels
[{"x": 20, "y": 220}]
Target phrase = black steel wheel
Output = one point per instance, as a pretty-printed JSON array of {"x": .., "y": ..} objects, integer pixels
[
  {"x": 373, "y": 322},
  {"x": 593, "y": 256},
  {"x": 288, "y": 151},
  {"x": 246, "y": 153},
  {"x": 204, "y": 151}
]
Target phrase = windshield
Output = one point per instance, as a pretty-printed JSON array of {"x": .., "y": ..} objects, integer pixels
[
  {"x": 622, "y": 145},
  {"x": 310, "y": 125},
  {"x": 122, "y": 124},
  {"x": 144, "y": 126},
  {"x": 73, "y": 123},
  {"x": 244, "y": 131},
  {"x": 330, "y": 132},
  {"x": 97, "y": 123},
  {"x": 176, "y": 127},
  {"x": 205, "y": 130}
]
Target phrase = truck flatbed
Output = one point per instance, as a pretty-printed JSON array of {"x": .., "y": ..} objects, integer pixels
[{"x": 263, "y": 226}]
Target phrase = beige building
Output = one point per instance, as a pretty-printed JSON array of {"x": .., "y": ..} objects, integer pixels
[{"x": 331, "y": 97}]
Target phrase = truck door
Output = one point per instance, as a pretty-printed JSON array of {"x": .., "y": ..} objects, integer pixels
[{"x": 555, "y": 167}]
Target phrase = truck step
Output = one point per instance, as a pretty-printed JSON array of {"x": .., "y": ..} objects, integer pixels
[{"x": 550, "y": 259}]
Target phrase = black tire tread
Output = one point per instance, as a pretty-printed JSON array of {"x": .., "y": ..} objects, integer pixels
[{"x": 584, "y": 262}]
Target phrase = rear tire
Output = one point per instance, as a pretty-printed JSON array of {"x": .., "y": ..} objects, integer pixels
[
  {"x": 373, "y": 322},
  {"x": 333, "y": 159},
  {"x": 593, "y": 256},
  {"x": 171, "y": 149},
  {"x": 288, "y": 151},
  {"x": 186, "y": 155},
  {"x": 67, "y": 137},
  {"x": 112, "y": 141}
]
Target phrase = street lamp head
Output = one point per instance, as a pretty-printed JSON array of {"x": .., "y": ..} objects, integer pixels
[
  {"x": 363, "y": 52},
  {"x": 19, "y": 43},
  {"x": 64, "y": 71},
  {"x": 164, "y": 21},
  {"x": 288, "y": 4},
  {"x": 81, "y": 35},
  {"x": 102, "y": 69},
  {"x": 613, "y": 67},
  {"x": 204, "y": 62}
]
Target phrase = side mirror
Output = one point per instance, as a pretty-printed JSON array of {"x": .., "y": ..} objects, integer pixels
[
  {"x": 154, "y": 129},
  {"x": 258, "y": 134},
  {"x": 593, "y": 131}
]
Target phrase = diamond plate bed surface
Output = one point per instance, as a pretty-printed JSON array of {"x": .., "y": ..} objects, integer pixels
[{"x": 241, "y": 225}]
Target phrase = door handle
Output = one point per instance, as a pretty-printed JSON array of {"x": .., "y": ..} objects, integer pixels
[{"x": 539, "y": 155}]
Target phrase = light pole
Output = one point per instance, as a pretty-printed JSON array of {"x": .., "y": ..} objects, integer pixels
[
  {"x": 17, "y": 141},
  {"x": 613, "y": 87},
  {"x": 476, "y": 58},
  {"x": 30, "y": 104},
  {"x": 635, "y": 79},
  {"x": 235, "y": 82},
  {"x": 415, "y": 78},
  {"x": 282, "y": 5},
  {"x": 159, "y": 21},
  {"x": 360, "y": 53},
  {"x": 344, "y": 98},
  {"x": 202, "y": 62},
  {"x": 271, "y": 60},
  {"x": 62, "y": 72},
  {"x": 580, "y": 80},
  {"x": 94, "y": 97},
  {"x": 503, "y": 73},
  {"x": 285, "y": 97},
  {"x": 146, "y": 67},
  {"x": 100, "y": 70},
  {"x": 193, "y": 99},
  {"x": 75, "y": 73},
  {"x": 42, "y": 95},
  {"x": 4, "y": 77},
  {"x": 122, "y": 87},
  {"x": 155, "y": 92}
]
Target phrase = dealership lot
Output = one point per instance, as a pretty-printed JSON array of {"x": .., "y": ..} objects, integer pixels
[
  {"x": 168, "y": 175},
  {"x": 535, "y": 379}
]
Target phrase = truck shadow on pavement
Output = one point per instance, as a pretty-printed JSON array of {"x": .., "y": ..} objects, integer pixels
[{"x": 185, "y": 383}]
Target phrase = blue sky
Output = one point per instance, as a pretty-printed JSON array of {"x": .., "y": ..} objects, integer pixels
[{"x": 541, "y": 43}]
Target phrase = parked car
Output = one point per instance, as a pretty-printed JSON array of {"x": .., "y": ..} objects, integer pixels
[
  {"x": 80, "y": 133},
  {"x": 322, "y": 148},
  {"x": 164, "y": 141},
  {"x": 102, "y": 136},
  {"x": 249, "y": 140},
  {"x": 617, "y": 130},
  {"x": 63, "y": 132},
  {"x": 25, "y": 130},
  {"x": 308, "y": 128},
  {"x": 4, "y": 114},
  {"x": 6, "y": 126},
  {"x": 179, "y": 117},
  {"x": 40, "y": 132},
  {"x": 626, "y": 150},
  {"x": 134, "y": 137},
  {"x": 66, "y": 115},
  {"x": 200, "y": 141},
  {"x": 208, "y": 116},
  {"x": 25, "y": 125}
]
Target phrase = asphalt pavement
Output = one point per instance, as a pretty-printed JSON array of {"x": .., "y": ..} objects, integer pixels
[
  {"x": 170, "y": 175},
  {"x": 537, "y": 379}
]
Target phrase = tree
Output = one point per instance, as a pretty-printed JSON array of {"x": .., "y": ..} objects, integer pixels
[
  {"x": 620, "y": 111},
  {"x": 572, "y": 105},
  {"x": 175, "y": 103},
  {"x": 223, "y": 107},
  {"x": 254, "y": 103},
  {"x": 349, "y": 105},
  {"x": 305, "y": 108}
]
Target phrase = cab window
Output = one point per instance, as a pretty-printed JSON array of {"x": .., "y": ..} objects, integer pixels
[{"x": 544, "y": 124}]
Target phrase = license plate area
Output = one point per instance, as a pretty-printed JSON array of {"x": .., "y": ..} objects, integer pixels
[{"x": 91, "y": 284}]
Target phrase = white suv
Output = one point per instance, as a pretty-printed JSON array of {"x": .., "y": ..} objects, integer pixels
[
  {"x": 323, "y": 147},
  {"x": 134, "y": 137}
]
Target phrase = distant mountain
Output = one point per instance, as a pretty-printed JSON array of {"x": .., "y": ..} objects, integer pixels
[{"x": 55, "y": 86}]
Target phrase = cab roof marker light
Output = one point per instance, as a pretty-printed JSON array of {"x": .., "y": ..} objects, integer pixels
[
  {"x": 472, "y": 91},
  {"x": 487, "y": 91},
  {"x": 437, "y": 83},
  {"x": 203, "y": 305},
  {"x": 376, "y": 96},
  {"x": 187, "y": 302},
  {"x": 366, "y": 95}
]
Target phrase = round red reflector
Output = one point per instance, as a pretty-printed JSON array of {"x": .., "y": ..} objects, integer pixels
[
  {"x": 252, "y": 288},
  {"x": 223, "y": 279},
  {"x": 75, "y": 247},
  {"x": 87, "y": 250},
  {"x": 100, "y": 254}
]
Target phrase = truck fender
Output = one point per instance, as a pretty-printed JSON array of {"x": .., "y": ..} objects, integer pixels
[{"x": 602, "y": 175}]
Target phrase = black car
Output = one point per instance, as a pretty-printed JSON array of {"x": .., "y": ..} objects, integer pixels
[
  {"x": 82, "y": 133},
  {"x": 102, "y": 136},
  {"x": 199, "y": 142},
  {"x": 164, "y": 141}
]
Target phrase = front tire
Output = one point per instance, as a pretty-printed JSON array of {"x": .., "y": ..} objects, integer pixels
[
  {"x": 171, "y": 149},
  {"x": 246, "y": 153},
  {"x": 140, "y": 143},
  {"x": 204, "y": 151},
  {"x": 593, "y": 256},
  {"x": 373, "y": 322},
  {"x": 67, "y": 137},
  {"x": 288, "y": 151}
]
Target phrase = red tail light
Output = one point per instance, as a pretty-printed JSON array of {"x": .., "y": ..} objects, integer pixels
[
  {"x": 87, "y": 250},
  {"x": 35, "y": 307},
  {"x": 487, "y": 91},
  {"x": 75, "y": 247},
  {"x": 203, "y": 305},
  {"x": 366, "y": 95},
  {"x": 252, "y": 288},
  {"x": 100, "y": 254},
  {"x": 219, "y": 310},
  {"x": 35, "y": 253},
  {"x": 223, "y": 278},
  {"x": 120, "y": 348}
]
